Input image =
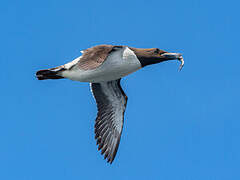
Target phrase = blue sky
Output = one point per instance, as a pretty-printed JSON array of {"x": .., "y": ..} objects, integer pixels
[{"x": 178, "y": 125}]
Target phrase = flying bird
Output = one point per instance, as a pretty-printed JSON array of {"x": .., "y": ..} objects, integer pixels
[{"x": 103, "y": 66}]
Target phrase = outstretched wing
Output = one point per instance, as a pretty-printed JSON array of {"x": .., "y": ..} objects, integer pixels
[
  {"x": 93, "y": 57},
  {"x": 111, "y": 103}
]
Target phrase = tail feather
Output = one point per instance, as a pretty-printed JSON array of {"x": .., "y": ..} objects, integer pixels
[{"x": 49, "y": 74}]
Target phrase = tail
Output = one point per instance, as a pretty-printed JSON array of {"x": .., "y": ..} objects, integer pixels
[{"x": 52, "y": 73}]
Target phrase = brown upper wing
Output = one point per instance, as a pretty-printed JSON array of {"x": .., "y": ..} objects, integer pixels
[{"x": 95, "y": 56}]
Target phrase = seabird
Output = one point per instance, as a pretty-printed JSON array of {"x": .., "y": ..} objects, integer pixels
[{"x": 103, "y": 66}]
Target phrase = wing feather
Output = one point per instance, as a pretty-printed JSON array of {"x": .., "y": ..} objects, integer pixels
[
  {"x": 111, "y": 103},
  {"x": 93, "y": 57}
]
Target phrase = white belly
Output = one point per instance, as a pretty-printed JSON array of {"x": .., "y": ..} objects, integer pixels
[{"x": 117, "y": 65}]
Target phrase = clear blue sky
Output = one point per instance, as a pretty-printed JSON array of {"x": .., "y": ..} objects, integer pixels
[{"x": 178, "y": 125}]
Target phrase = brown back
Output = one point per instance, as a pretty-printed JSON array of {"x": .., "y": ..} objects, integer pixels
[{"x": 93, "y": 57}]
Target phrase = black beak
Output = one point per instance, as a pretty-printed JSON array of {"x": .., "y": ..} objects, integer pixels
[{"x": 172, "y": 56}]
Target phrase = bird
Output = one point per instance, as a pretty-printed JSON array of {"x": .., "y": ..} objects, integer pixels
[{"x": 103, "y": 66}]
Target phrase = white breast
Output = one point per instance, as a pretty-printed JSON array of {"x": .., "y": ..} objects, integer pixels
[{"x": 118, "y": 64}]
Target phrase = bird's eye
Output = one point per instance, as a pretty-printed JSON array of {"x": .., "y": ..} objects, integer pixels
[{"x": 156, "y": 50}]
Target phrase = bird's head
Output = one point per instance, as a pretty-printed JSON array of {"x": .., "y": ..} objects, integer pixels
[{"x": 155, "y": 55}]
